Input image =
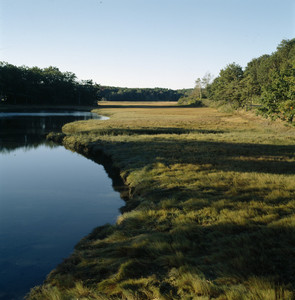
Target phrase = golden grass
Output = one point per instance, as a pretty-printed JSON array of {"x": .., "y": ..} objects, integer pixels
[{"x": 210, "y": 213}]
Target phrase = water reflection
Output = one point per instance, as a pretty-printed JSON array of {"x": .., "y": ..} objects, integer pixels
[
  {"x": 29, "y": 129},
  {"x": 49, "y": 199}
]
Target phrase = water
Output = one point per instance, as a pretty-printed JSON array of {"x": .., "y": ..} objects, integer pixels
[{"x": 49, "y": 199}]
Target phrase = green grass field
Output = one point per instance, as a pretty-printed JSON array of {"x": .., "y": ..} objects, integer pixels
[{"x": 210, "y": 212}]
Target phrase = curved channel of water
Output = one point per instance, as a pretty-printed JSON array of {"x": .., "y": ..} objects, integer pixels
[{"x": 49, "y": 199}]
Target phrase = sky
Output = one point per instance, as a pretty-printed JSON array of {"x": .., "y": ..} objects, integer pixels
[{"x": 142, "y": 43}]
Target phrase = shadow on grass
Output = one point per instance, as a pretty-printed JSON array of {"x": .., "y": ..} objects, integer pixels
[
  {"x": 224, "y": 254},
  {"x": 185, "y": 236},
  {"x": 150, "y": 131},
  {"x": 238, "y": 157}
]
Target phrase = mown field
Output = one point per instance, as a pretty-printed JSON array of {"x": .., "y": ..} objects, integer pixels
[{"x": 210, "y": 212}]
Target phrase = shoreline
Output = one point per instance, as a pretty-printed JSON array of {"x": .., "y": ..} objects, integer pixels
[
  {"x": 196, "y": 220},
  {"x": 98, "y": 156}
]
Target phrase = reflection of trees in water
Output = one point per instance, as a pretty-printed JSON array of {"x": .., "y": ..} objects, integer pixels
[
  {"x": 30, "y": 131},
  {"x": 7, "y": 147}
]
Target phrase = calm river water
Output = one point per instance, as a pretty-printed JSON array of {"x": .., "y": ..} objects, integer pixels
[{"x": 49, "y": 199}]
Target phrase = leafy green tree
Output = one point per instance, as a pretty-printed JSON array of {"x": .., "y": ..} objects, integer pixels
[
  {"x": 278, "y": 92},
  {"x": 23, "y": 85},
  {"x": 140, "y": 94},
  {"x": 227, "y": 86},
  {"x": 255, "y": 77},
  {"x": 278, "y": 97}
]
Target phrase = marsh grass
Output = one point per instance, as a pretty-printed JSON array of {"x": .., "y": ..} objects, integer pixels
[{"x": 210, "y": 213}]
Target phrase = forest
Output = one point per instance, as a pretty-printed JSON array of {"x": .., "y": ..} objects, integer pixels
[
  {"x": 141, "y": 94},
  {"x": 49, "y": 86},
  {"x": 267, "y": 84}
]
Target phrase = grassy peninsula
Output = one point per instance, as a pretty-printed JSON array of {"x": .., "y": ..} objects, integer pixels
[{"x": 210, "y": 212}]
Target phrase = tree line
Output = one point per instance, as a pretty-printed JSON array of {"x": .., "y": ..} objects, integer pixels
[
  {"x": 140, "y": 94},
  {"x": 49, "y": 86},
  {"x": 24, "y": 85},
  {"x": 267, "y": 82}
]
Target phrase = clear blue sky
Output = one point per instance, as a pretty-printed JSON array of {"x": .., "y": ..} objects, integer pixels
[{"x": 142, "y": 43}]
